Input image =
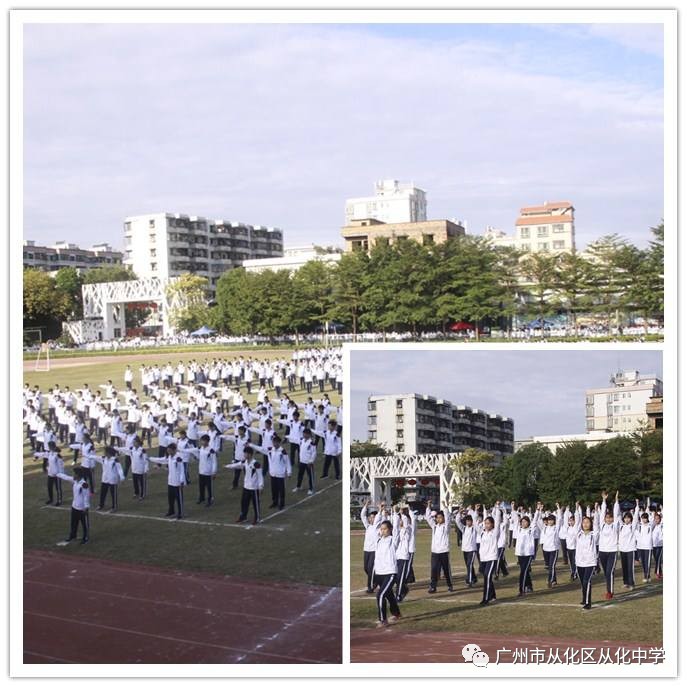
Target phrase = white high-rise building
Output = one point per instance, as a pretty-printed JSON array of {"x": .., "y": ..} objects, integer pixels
[
  {"x": 622, "y": 406},
  {"x": 393, "y": 202},
  {"x": 167, "y": 245}
]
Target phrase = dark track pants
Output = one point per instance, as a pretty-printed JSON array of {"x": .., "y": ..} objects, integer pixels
[
  {"x": 469, "y": 558},
  {"x": 328, "y": 460},
  {"x": 586, "y": 575},
  {"x": 525, "y": 579},
  {"x": 205, "y": 485},
  {"x": 308, "y": 468},
  {"x": 88, "y": 476},
  {"x": 488, "y": 568},
  {"x": 385, "y": 594},
  {"x": 140, "y": 484},
  {"x": 278, "y": 487},
  {"x": 55, "y": 485},
  {"x": 250, "y": 497},
  {"x": 502, "y": 567},
  {"x": 79, "y": 517},
  {"x": 550, "y": 560},
  {"x": 571, "y": 562},
  {"x": 440, "y": 563},
  {"x": 402, "y": 567},
  {"x": 627, "y": 562},
  {"x": 369, "y": 567},
  {"x": 111, "y": 488},
  {"x": 657, "y": 552},
  {"x": 175, "y": 500},
  {"x": 607, "y": 560},
  {"x": 645, "y": 560}
]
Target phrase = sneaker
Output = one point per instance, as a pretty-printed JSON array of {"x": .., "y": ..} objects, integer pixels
[
  {"x": 608, "y": 596},
  {"x": 310, "y": 492},
  {"x": 48, "y": 503},
  {"x": 369, "y": 591},
  {"x": 587, "y": 607},
  {"x": 169, "y": 515},
  {"x": 295, "y": 489},
  {"x": 381, "y": 623},
  {"x": 395, "y": 618},
  {"x": 209, "y": 503},
  {"x": 241, "y": 519},
  {"x": 59, "y": 503},
  {"x": 450, "y": 589},
  {"x": 431, "y": 591},
  {"x": 659, "y": 576},
  {"x": 646, "y": 579},
  {"x": 483, "y": 603}
]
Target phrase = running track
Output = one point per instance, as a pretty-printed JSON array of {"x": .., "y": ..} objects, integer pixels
[
  {"x": 81, "y": 610},
  {"x": 394, "y": 645}
]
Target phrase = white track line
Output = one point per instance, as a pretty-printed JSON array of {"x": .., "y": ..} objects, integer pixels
[
  {"x": 498, "y": 602},
  {"x": 50, "y": 658},
  {"x": 298, "y": 503},
  {"x": 165, "y": 637},
  {"x": 286, "y": 626}
]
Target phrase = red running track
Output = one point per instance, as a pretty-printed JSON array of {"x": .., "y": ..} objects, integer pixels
[
  {"x": 81, "y": 610},
  {"x": 393, "y": 645}
]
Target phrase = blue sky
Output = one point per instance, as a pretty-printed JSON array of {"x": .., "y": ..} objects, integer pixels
[
  {"x": 543, "y": 391},
  {"x": 279, "y": 124}
]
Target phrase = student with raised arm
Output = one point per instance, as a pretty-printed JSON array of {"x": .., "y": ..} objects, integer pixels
[
  {"x": 550, "y": 540},
  {"x": 657, "y": 544},
  {"x": 295, "y": 430},
  {"x": 524, "y": 549},
  {"x": 252, "y": 485},
  {"x": 86, "y": 449},
  {"x": 371, "y": 522},
  {"x": 585, "y": 553},
  {"x": 241, "y": 440},
  {"x": 385, "y": 568},
  {"x": 439, "y": 523},
  {"x": 112, "y": 475},
  {"x": 207, "y": 469},
  {"x": 627, "y": 545},
  {"x": 55, "y": 465},
  {"x": 401, "y": 526},
  {"x": 332, "y": 450},
  {"x": 504, "y": 524},
  {"x": 137, "y": 460},
  {"x": 176, "y": 479},
  {"x": 609, "y": 526},
  {"x": 643, "y": 536},
  {"x": 307, "y": 453},
  {"x": 279, "y": 468},
  {"x": 569, "y": 535},
  {"x": 81, "y": 492},
  {"x": 489, "y": 553},
  {"x": 468, "y": 544}
]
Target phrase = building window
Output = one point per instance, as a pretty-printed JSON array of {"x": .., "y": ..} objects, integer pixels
[
  {"x": 151, "y": 224},
  {"x": 542, "y": 231},
  {"x": 399, "y": 403},
  {"x": 399, "y": 418},
  {"x": 558, "y": 228},
  {"x": 372, "y": 405},
  {"x": 153, "y": 253},
  {"x": 543, "y": 247},
  {"x": 428, "y": 239},
  {"x": 152, "y": 238},
  {"x": 372, "y": 420},
  {"x": 153, "y": 266},
  {"x": 372, "y": 434},
  {"x": 400, "y": 448},
  {"x": 399, "y": 434},
  {"x": 525, "y": 233},
  {"x": 558, "y": 245},
  {"x": 590, "y": 425}
]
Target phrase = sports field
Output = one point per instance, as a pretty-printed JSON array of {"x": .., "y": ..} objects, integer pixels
[
  {"x": 297, "y": 547},
  {"x": 555, "y": 614}
]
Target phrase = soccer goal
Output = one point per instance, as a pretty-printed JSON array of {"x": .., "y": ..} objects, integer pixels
[{"x": 35, "y": 336}]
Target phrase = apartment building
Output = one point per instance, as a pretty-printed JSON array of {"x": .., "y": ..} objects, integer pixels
[
  {"x": 293, "y": 259},
  {"x": 546, "y": 228},
  {"x": 392, "y": 202},
  {"x": 416, "y": 424},
  {"x": 364, "y": 234},
  {"x": 167, "y": 245},
  {"x": 63, "y": 254}
]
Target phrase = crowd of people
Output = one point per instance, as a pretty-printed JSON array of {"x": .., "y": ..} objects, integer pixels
[
  {"x": 589, "y": 540},
  {"x": 183, "y": 416}
]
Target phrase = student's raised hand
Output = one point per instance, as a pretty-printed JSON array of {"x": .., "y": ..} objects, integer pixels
[
  {"x": 604, "y": 495},
  {"x": 616, "y": 494},
  {"x": 558, "y": 506}
]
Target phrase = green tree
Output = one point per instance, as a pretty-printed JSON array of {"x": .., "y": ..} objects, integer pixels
[
  {"x": 539, "y": 271},
  {"x": 107, "y": 273},
  {"x": 475, "y": 471},
  {"x": 527, "y": 466},
  {"x": 649, "y": 449},
  {"x": 314, "y": 287},
  {"x": 563, "y": 473},
  {"x": 188, "y": 297},
  {"x": 349, "y": 281},
  {"x": 364, "y": 449},
  {"x": 571, "y": 285},
  {"x": 68, "y": 281},
  {"x": 611, "y": 465},
  {"x": 379, "y": 289},
  {"x": 44, "y": 306},
  {"x": 235, "y": 311}
]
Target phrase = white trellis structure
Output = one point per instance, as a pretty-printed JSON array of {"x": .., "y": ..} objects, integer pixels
[
  {"x": 103, "y": 309},
  {"x": 374, "y": 475}
]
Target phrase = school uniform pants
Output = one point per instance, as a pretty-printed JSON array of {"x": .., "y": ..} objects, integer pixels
[
  {"x": 320, "y": 382},
  {"x": 127, "y": 464},
  {"x": 175, "y": 501},
  {"x": 571, "y": 563},
  {"x": 369, "y": 567},
  {"x": 62, "y": 432},
  {"x": 327, "y": 462},
  {"x": 147, "y": 435},
  {"x": 658, "y": 560},
  {"x": 550, "y": 560},
  {"x": 402, "y": 567},
  {"x": 140, "y": 484},
  {"x": 586, "y": 574},
  {"x": 237, "y": 477},
  {"x": 645, "y": 560},
  {"x": 488, "y": 568},
  {"x": 607, "y": 560},
  {"x": 564, "y": 552},
  {"x": 294, "y": 451},
  {"x": 79, "y": 517},
  {"x": 536, "y": 548},
  {"x": 627, "y": 563},
  {"x": 525, "y": 579},
  {"x": 55, "y": 485},
  {"x": 385, "y": 594},
  {"x": 278, "y": 487},
  {"x": 469, "y": 558},
  {"x": 502, "y": 567},
  {"x": 102, "y": 435},
  {"x": 205, "y": 485},
  {"x": 250, "y": 497},
  {"x": 308, "y": 468},
  {"x": 106, "y": 488},
  {"x": 440, "y": 563}
]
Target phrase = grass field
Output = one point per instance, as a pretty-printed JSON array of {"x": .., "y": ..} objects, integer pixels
[
  {"x": 630, "y": 616},
  {"x": 302, "y": 543}
]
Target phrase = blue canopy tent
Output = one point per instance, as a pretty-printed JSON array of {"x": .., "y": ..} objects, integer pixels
[
  {"x": 203, "y": 331},
  {"x": 540, "y": 323}
]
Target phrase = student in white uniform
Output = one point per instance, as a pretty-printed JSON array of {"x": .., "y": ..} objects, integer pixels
[
  {"x": 644, "y": 543},
  {"x": 176, "y": 479},
  {"x": 468, "y": 545},
  {"x": 112, "y": 475},
  {"x": 585, "y": 554},
  {"x": 137, "y": 459},
  {"x": 489, "y": 554},
  {"x": 385, "y": 568},
  {"x": 307, "y": 453},
  {"x": 439, "y": 522},
  {"x": 569, "y": 535},
  {"x": 608, "y": 527},
  {"x": 278, "y": 466},
  {"x": 551, "y": 543},
  {"x": 504, "y": 523},
  {"x": 657, "y": 545},
  {"x": 252, "y": 486},
  {"x": 55, "y": 465},
  {"x": 627, "y": 545},
  {"x": 207, "y": 469},
  {"x": 332, "y": 451},
  {"x": 524, "y": 550},
  {"x": 401, "y": 525},
  {"x": 81, "y": 493},
  {"x": 370, "y": 522}
]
